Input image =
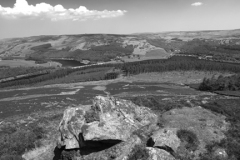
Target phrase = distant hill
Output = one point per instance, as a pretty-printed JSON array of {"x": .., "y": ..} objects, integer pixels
[
  {"x": 105, "y": 47},
  {"x": 207, "y": 34}
]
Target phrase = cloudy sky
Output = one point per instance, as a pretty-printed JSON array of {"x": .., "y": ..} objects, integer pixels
[{"x": 21, "y": 18}]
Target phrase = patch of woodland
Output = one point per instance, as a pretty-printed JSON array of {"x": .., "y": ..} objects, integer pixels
[
  {"x": 221, "y": 83},
  {"x": 178, "y": 63}
]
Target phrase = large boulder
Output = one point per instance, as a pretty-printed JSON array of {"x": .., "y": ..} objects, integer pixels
[{"x": 108, "y": 118}]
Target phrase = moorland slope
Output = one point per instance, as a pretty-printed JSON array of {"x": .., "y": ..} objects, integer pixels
[{"x": 106, "y": 47}]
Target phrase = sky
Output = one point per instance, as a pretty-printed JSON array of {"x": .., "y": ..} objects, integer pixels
[{"x": 23, "y": 18}]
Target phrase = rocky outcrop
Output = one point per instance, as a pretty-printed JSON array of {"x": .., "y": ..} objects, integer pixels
[
  {"x": 118, "y": 129},
  {"x": 108, "y": 119}
]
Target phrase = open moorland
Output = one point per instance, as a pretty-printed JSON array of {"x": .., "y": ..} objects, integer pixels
[{"x": 168, "y": 96}]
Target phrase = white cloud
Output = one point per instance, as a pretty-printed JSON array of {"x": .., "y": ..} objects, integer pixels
[
  {"x": 22, "y": 9},
  {"x": 196, "y": 4}
]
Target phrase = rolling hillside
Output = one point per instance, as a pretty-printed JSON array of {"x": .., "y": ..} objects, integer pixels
[
  {"x": 106, "y": 47},
  {"x": 90, "y": 47}
]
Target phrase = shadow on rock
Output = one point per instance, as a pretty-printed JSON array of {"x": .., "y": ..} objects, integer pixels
[{"x": 96, "y": 146}]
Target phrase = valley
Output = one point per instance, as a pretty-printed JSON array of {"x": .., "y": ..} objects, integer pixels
[
  {"x": 119, "y": 80},
  {"x": 170, "y": 95}
]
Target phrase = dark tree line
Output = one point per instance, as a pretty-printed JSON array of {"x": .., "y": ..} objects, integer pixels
[
  {"x": 52, "y": 75},
  {"x": 60, "y": 73},
  {"x": 178, "y": 63}
]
